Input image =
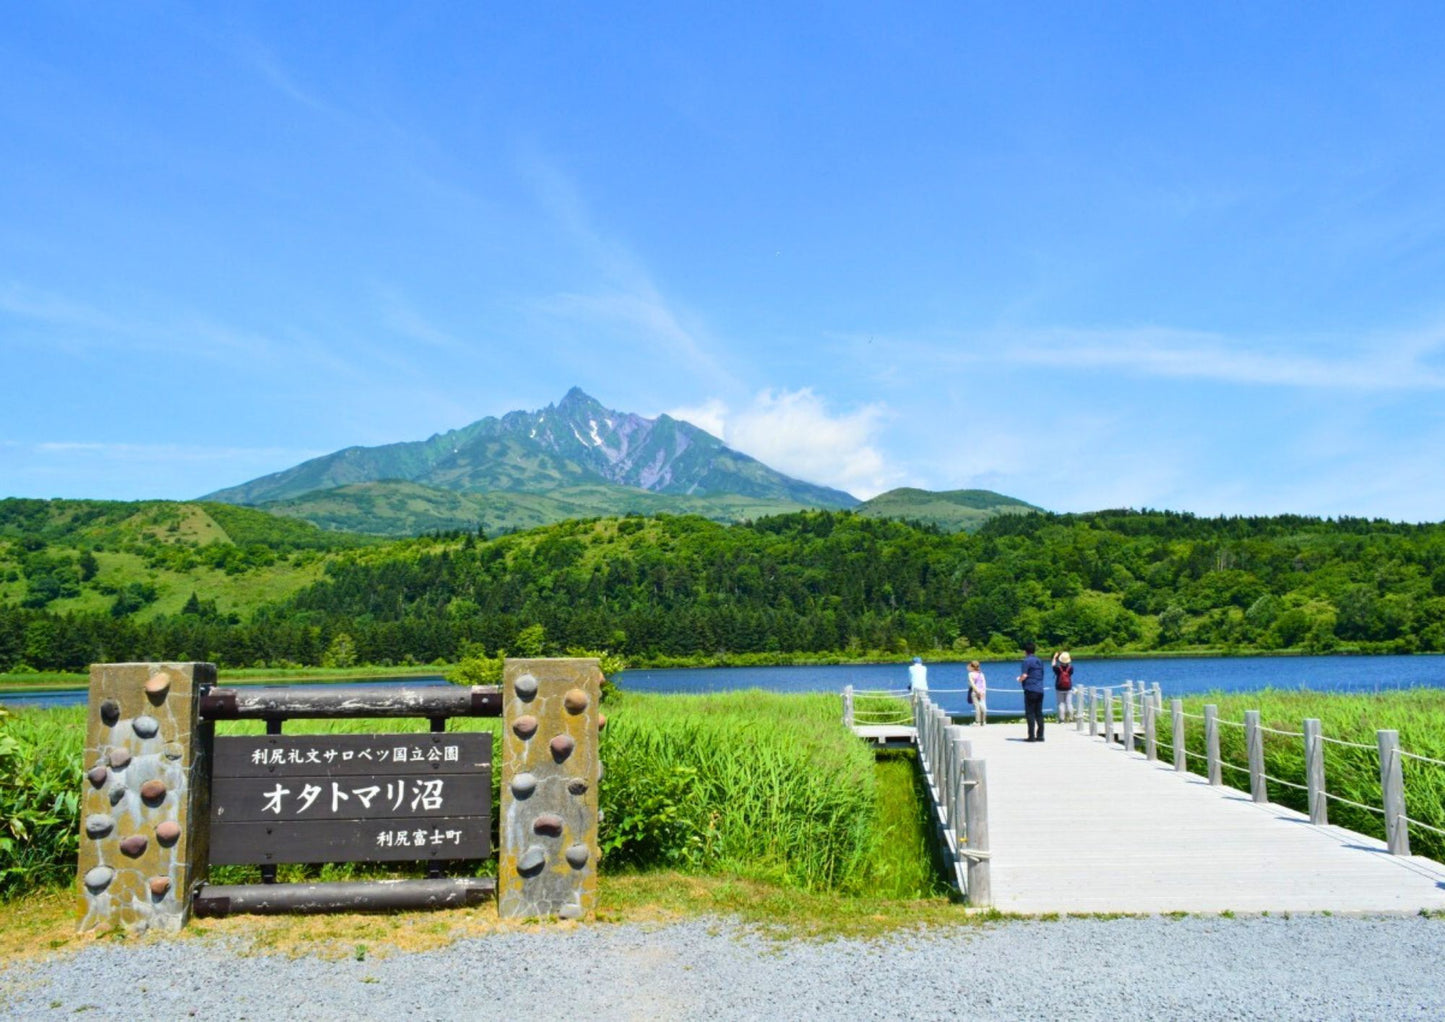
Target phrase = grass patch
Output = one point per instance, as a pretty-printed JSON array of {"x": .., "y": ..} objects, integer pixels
[{"x": 41, "y": 924}]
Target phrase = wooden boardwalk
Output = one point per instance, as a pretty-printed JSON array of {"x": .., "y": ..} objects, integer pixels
[{"x": 1078, "y": 826}]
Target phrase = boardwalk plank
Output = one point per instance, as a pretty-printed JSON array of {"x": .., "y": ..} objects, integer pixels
[{"x": 1076, "y": 825}]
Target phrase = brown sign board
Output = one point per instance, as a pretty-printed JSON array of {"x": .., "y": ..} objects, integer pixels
[{"x": 351, "y": 798}]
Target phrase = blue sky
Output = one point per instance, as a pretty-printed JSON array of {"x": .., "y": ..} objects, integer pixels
[{"x": 1149, "y": 255}]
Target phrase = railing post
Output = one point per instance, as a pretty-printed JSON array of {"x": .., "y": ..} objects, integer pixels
[
  {"x": 1211, "y": 741},
  {"x": 848, "y": 705},
  {"x": 1108, "y": 716},
  {"x": 975, "y": 811},
  {"x": 1392, "y": 785},
  {"x": 1176, "y": 715},
  {"x": 1315, "y": 772},
  {"x": 958, "y": 822},
  {"x": 1254, "y": 743},
  {"x": 1128, "y": 736},
  {"x": 1151, "y": 741},
  {"x": 1078, "y": 698},
  {"x": 1093, "y": 712}
]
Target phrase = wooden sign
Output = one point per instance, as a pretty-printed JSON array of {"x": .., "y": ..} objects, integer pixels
[{"x": 351, "y": 798}]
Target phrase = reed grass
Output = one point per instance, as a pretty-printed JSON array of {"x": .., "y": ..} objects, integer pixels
[{"x": 1350, "y": 772}]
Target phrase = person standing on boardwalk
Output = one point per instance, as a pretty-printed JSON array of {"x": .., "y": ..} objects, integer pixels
[
  {"x": 1064, "y": 685},
  {"x": 917, "y": 676},
  {"x": 978, "y": 692},
  {"x": 1032, "y": 679}
]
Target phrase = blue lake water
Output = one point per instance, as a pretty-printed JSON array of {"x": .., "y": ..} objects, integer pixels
[{"x": 1175, "y": 676}]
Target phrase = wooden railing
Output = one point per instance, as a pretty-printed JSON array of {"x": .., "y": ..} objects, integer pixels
[
  {"x": 1146, "y": 703},
  {"x": 958, "y": 795}
]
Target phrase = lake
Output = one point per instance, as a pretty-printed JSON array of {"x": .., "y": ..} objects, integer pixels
[{"x": 1175, "y": 675}]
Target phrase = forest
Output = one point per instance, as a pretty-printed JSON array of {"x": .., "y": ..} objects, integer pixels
[{"x": 682, "y": 588}]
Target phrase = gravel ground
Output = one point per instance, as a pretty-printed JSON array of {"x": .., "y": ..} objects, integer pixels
[{"x": 1305, "y": 967}]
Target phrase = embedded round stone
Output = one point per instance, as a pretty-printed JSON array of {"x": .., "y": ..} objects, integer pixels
[
  {"x": 160, "y": 886},
  {"x": 153, "y": 791},
  {"x": 523, "y": 785},
  {"x": 532, "y": 859},
  {"x": 109, "y": 712},
  {"x": 570, "y": 912},
  {"x": 157, "y": 686},
  {"x": 97, "y": 775},
  {"x": 525, "y": 687},
  {"x": 577, "y": 856},
  {"x": 601, "y": 721},
  {"x": 561, "y": 747},
  {"x": 577, "y": 786},
  {"x": 99, "y": 878},
  {"x": 145, "y": 726},
  {"x": 525, "y": 727},
  {"x": 576, "y": 700},
  {"x": 119, "y": 758},
  {"x": 549, "y": 824},
  {"x": 99, "y": 825},
  {"x": 168, "y": 833},
  {"x": 173, "y": 751},
  {"x": 134, "y": 846},
  {"x": 116, "y": 794}
]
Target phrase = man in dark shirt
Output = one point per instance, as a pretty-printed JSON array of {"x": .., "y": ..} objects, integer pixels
[{"x": 1032, "y": 679}]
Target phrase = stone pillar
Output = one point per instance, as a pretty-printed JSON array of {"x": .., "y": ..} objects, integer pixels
[
  {"x": 550, "y": 771},
  {"x": 144, "y": 797}
]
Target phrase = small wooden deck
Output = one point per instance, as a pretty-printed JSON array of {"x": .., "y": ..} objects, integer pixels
[
  {"x": 1076, "y": 825},
  {"x": 886, "y": 734}
]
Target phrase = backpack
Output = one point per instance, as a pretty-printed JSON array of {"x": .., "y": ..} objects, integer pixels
[{"x": 1066, "y": 678}]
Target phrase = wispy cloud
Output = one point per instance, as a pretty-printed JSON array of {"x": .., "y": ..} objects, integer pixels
[
  {"x": 1386, "y": 362},
  {"x": 796, "y": 433},
  {"x": 624, "y": 295}
]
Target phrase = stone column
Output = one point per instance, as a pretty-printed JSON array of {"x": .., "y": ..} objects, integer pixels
[
  {"x": 145, "y": 796},
  {"x": 550, "y": 771}
]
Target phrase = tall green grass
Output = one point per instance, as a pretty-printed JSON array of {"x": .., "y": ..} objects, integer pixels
[
  {"x": 39, "y": 796},
  {"x": 1350, "y": 772},
  {"x": 766, "y": 785},
  {"x": 756, "y": 784}
]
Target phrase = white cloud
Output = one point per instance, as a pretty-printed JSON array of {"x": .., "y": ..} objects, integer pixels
[
  {"x": 711, "y": 415},
  {"x": 795, "y": 433}
]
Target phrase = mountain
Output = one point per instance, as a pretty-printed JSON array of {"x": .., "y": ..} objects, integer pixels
[
  {"x": 392, "y": 508},
  {"x": 950, "y": 510},
  {"x": 575, "y": 443}
]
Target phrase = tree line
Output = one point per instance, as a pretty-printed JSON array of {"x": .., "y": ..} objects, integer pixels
[{"x": 810, "y": 582}]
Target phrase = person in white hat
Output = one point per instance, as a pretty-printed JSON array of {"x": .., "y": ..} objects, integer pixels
[{"x": 1064, "y": 685}]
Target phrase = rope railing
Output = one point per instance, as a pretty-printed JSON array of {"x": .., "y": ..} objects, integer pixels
[{"x": 1145, "y": 703}]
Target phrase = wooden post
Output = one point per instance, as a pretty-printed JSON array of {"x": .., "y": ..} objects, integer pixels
[
  {"x": 1176, "y": 714},
  {"x": 1151, "y": 743},
  {"x": 949, "y": 783},
  {"x": 1315, "y": 772},
  {"x": 1093, "y": 713},
  {"x": 1108, "y": 716},
  {"x": 848, "y": 706},
  {"x": 1254, "y": 743},
  {"x": 1211, "y": 741},
  {"x": 1128, "y": 736},
  {"x": 1392, "y": 785},
  {"x": 1078, "y": 697},
  {"x": 957, "y": 822},
  {"x": 975, "y": 812}
]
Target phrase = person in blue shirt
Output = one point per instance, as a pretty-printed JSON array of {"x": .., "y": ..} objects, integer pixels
[{"x": 1032, "y": 679}]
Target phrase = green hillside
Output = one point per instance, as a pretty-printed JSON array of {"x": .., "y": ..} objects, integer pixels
[
  {"x": 147, "y": 558},
  {"x": 950, "y": 510},
  {"x": 396, "y": 508}
]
